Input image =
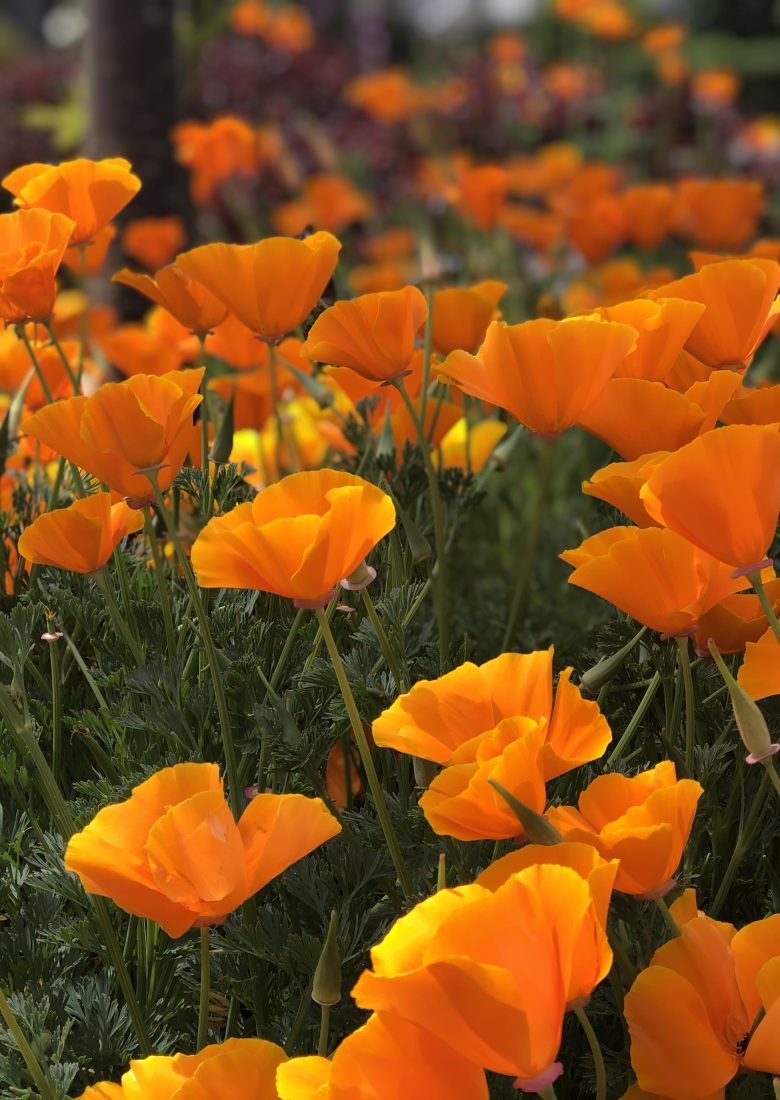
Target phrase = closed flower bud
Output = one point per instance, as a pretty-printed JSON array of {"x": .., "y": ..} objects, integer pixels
[
  {"x": 750, "y": 721},
  {"x": 535, "y": 826},
  {"x": 326, "y": 987},
  {"x": 594, "y": 679}
]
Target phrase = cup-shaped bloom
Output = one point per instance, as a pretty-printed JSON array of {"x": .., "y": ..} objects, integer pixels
[
  {"x": 468, "y": 446},
  {"x": 649, "y": 213},
  {"x": 243, "y": 1069},
  {"x": 644, "y": 821},
  {"x": 692, "y": 1011},
  {"x": 635, "y": 416},
  {"x": 753, "y": 406},
  {"x": 594, "y": 957},
  {"x": 387, "y": 1056},
  {"x": 620, "y": 484},
  {"x": 437, "y": 717},
  {"x": 719, "y": 213},
  {"x": 192, "y": 304},
  {"x": 374, "y": 335},
  {"x": 721, "y": 492},
  {"x": 737, "y": 621},
  {"x": 739, "y": 296},
  {"x": 546, "y": 373},
  {"x": 462, "y": 314},
  {"x": 759, "y": 673},
  {"x": 33, "y": 246},
  {"x": 460, "y": 800},
  {"x": 662, "y": 326},
  {"x": 488, "y": 971},
  {"x": 297, "y": 538},
  {"x": 153, "y": 242},
  {"x": 89, "y": 192},
  {"x": 143, "y": 423},
  {"x": 271, "y": 286},
  {"x": 481, "y": 194},
  {"x": 80, "y": 538},
  {"x": 655, "y": 576},
  {"x": 174, "y": 853}
]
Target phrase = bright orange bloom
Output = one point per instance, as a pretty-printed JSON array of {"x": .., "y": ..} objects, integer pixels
[
  {"x": 437, "y": 718},
  {"x": 330, "y": 201},
  {"x": 216, "y": 150},
  {"x": 692, "y": 1011},
  {"x": 759, "y": 673},
  {"x": 663, "y": 326},
  {"x": 753, "y": 406},
  {"x": 373, "y": 335},
  {"x": 243, "y": 1069},
  {"x": 649, "y": 210},
  {"x": 388, "y": 275},
  {"x": 297, "y": 538},
  {"x": 490, "y": 972},
  {"x": 468, "y": 446},
  {"x": 568, "y": 82},
  {"x": 655, "y": 576},
  {"x": 644, "y": 821},
  {"x": 719, "y": 213},
  {"x": 191, "y": 303},
  {"x": 270, "y": 286},
  {"x": 461, "y": 315},
  {"x": 620, "y": 484},
  {"x": 388, "y": 95},
  {"x": 636, "y": 417},
  {"x": 596, "y": 226},
  {"x": 126, "y": 427},
  {"x": 722, "y": 493},
  {"x": 536, "y": 228},
  {"x": 394, "y": 243},
  {"x": 481, "y": 194},
  {"x": 138, "y": 349},
  {"x": 16, "y": 369},
  {"x": 89, "y": 192},
  {"x": 546, "y": 373},
  {"x": 34, "y": 243},
  {"x": 80, "y": 538},
  {"x": 153, "y": 242},
  {"x": 387, "y": 1056},
  {"x": 439, "y": 420},
  {"x": 172, "y": 852},
  {"x": 663, "y": 37},
  {"x": 550, "y": 167},
  {"x": 715, "y": 88},
  {"x": 237, "y": 345},
  {"x": 737, "y": 621}
]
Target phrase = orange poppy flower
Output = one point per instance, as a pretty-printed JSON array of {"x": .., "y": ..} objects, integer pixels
[
  {"x": 649, "y": 210},
  {"x": 753, "y": 406},
  {"x": 373, "y": 335},
  {"x": 741, "y": 308},
  {"x": 387, "y": 1056},
  {"x": 172, "y": 852},
  {"x": 447, "y": 967},
  {"x": 596, "y": 227},
  {"x": 692, "y": 1012},
  {"x": 243, "y": 1069},
  {"x": 663, "y": 37},
  {"x": 15, "y": 368},
  {"x": 330, "y": 201},
  {"x": 536, "y": 228},
  {"x": 722, "y": 493},
  {"x": 94, "y": 252},
  {"x": 89, "y": 192},
  {"x": 620, "y": 483},
  {"x": 137, "y": 349},
  {"x": 662, "y": 327},
  {"x": 191, "y": 303},
  {"x": 481, "y": 194},
  {"x": 216, "y": 150},
  {"x": 714, "y": 88},
  {"x": 34, "y": 243},
  {"x": 297, "y": 538},
  {"x": 461, "y": 315},
  {"x": 636, "y": 417},
  {"x": 388, "y": 275},
  {"x": 468, "y": 446},
  {"x": 394, "y": 243},
  {"x": 80, "y": 538},
  {"x": 237, "y": 345},
  {"x": 644, "y": 821},
  {"x": 439, "y": 420},
  {"x": 153, "y": 242},
  {"x": 655, "y": 576},
  {"x": 568, "y": 82},
  {"x": 546, "y": 373},
  {"x": 270, "y": 286},
  {"x": 388, "y": 96},
  {"x": 759, "y": 674},
  {"x": 737, "y": 620},
  {"x": 439, "y": 717},
  {"x": 719, "y": 213},
  {"x": 126, "y": 427}
]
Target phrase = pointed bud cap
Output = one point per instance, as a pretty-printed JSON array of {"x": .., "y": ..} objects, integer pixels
[
  {"x": 750, "y": 721},
  {"x": 326, "y": 987},
  {"x": 536, "y": 827}
]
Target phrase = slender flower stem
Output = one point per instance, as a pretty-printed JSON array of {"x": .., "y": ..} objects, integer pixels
[
  {"x": 22, "y": 333},
  {"x": 384, "y": 642},
  {"x": 669, "y": 920},
  {"x": 365, "y": 755},
  {"x": 525, "y": 566},
  {"x": 84, "y": 316},
  {"x": 162, "y": 585},
  {"x": 56, "y": 710},
  {"x": 205, "y": 989},
  {"x": 766, "y": 603},
  {"x": 63, "y": 357},
  {"x": 548, "y": 1093},
  {"x": 769, "y": 769},
  {"x": 228, "y": 746},
  {"x": 636, "y": 718},
  {"x": 427, "y": 354},
  {"x": 684, "y": 661},
  {"x": 439, "y": 528},
  {"x": 322, "y": 1045},
  {"x": 38, "y": 1073},
  {"x": 745, "y": 841},
  {"x": 104, "y": 584},
  {"x": 595, "y": 1049}
]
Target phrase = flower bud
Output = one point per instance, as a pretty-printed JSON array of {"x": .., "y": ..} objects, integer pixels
[
  {"x": 326, "y": 987},
  {"x": 535, "y": 826},
  {"x": 602, "y": 672},
  {"x": 750, "y": 721}
]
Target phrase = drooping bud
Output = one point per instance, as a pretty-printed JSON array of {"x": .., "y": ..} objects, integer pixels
[
  {"x": 750, "y": 721},
  {"x": 326, "y": 986},
  {"x": 535, "y": 826},
  {"x": 602, "y": 672}
]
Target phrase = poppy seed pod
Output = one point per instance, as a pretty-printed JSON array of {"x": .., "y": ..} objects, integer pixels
[{"x": 326, "y": 985}]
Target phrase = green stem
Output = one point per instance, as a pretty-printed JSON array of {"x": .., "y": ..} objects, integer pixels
[
  {"x": 63, "y": 357},
  {"x": 365, "y": 755},
  {"x": 684, "y": 660},
  {"x": 162, "y": 584},
  {"x": 547, "y": 1093},
  {"x": 427, "y": 355},
  {"x": 56, "y": 707},
  {"x": 636, "y": 718},
  {"x": 384, "y": 642},
  {"x": 231, "y": 762},
  {"x": 544, "y": 474},
  {"x": 322, "y": 1045},
  {"x": 769, "y": 769},
  {"x": 595, "y": 1049},
  {"x": 37, "y": 1072},
  {"x": 22, "y": 334},
  {"x": 669, "y": 920},
  {"x": 84, "y": 318},
  {"x": 104, "y": 584},
  {"x": 744, "y": 843},
  {"x": 205, "y": 989},
  {"x": 99, "y": 697},
  {"x": 766, "y": 603}
]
